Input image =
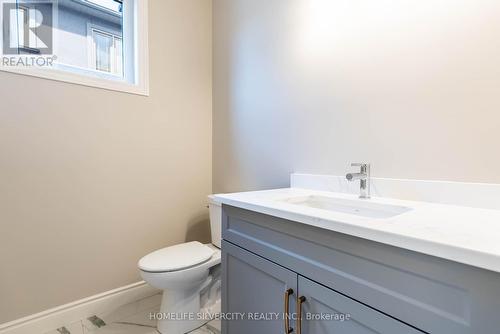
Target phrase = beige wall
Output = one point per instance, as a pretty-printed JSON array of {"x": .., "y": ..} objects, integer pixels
[
  {"x": 412, "y": 86},
  {"x": 91, "y": 180}
]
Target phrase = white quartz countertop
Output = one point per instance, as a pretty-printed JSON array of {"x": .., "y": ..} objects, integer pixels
[{"x": 461, "y": 234}]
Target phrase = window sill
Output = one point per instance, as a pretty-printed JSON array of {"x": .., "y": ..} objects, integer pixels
[{"x": 82, "y": 79}]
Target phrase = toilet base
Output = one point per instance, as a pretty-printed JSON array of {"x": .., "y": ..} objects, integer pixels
[
  {"x": 179, "y": 312},
  {"x": 183, "y": 311}
]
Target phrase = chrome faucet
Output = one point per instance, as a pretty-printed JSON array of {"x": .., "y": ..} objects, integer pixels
[{"x": 364, "y": 179}]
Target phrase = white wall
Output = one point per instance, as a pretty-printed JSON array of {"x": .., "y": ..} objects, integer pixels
[
  {"x": 412, "y": 86},
  {"x": 91, "y": 180}
]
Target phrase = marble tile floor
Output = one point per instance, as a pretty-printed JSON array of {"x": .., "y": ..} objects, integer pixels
[{"x": 129, "y": 319}]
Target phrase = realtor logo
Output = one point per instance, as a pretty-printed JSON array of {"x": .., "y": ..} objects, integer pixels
[{"x": 28, "y": 28}]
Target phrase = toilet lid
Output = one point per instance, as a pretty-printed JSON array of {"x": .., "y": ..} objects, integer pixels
[{"x": 176, "y": 257}]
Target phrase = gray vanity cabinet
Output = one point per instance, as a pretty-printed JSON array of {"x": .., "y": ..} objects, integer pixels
[
  {"x": 257, "y": 293},
  {"x": 325, "y": 311},
  {"x": 254, "y": 288},
  {"x": 385, "y": 289}
]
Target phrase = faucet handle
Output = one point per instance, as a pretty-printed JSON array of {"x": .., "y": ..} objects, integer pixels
[{"x": 365, "y": 167}]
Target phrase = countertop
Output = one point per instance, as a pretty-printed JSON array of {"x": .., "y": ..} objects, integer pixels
[{"x": 462, "y": 234}]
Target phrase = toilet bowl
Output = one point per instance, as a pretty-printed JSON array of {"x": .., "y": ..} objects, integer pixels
[{"x": 189, "y": 275}]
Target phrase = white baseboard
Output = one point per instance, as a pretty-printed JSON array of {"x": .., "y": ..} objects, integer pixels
[{"x": 65, "y": 314}]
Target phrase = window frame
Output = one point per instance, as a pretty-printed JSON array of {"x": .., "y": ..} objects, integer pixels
[{"x": 136, "y": 75}]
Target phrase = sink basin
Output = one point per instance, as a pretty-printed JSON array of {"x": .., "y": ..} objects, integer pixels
[{"x": 363, "y": 208}]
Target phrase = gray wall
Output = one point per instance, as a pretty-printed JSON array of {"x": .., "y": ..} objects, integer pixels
[
  {"x": 91, "y": 180},
  {"x": 411, "y": 86}
]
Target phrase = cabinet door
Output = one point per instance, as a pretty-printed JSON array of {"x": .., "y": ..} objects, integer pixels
[
  {"x": 325, "y": 311},
  {"x": 256, "y": 288}
]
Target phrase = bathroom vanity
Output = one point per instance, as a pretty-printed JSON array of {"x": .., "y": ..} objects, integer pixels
[{"x": 387, "y": 267}]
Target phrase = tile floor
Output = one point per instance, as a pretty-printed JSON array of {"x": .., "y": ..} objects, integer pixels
[{"x": 129, "y": 319}]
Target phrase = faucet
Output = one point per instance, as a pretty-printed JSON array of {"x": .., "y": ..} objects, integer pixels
[{"x": 364, "y": 179}]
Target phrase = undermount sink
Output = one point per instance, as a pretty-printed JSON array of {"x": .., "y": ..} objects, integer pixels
[{"x": 363, "y": 208}]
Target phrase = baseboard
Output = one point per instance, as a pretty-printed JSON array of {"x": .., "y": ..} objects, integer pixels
[{"x": 65, "y": 314}]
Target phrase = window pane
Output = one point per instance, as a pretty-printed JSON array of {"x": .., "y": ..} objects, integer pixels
[
  {"x": 119, "y": 56},
  {"x": 16, "y": 25},
  {"x": 86, "y": 36},
  {"x": 103, "y": 46},
  {"x": 21, "y": 21}
]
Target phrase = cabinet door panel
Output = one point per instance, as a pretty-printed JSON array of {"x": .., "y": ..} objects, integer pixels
[
  {"x": 334, "y": 309},
  {"x": 253, "y": 285}
]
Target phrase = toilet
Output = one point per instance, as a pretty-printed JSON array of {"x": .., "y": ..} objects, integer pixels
[{"x": 189, "y": 275}]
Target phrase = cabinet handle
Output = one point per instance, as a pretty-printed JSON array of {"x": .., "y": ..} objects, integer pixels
[
  {"x": 300, "y": 301},
  {"x": 286, "y": 318}
]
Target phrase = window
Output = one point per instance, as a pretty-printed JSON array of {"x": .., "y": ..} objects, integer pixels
[
  {"x": 100, "y": 43},
  {"x": 22, "y": 20},
  {"x": 106, "y": 52}
]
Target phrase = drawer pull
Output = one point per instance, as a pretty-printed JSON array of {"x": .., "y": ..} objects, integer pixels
[
  {"x": 286, "y": 315},
  {"x": 300, "y": 301}
]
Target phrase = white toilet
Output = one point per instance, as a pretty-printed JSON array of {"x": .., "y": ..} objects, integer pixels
[{"x": 189, "y": 275}]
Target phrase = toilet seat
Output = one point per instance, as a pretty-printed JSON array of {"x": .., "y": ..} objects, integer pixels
[
  {"x": 176, "y": 258},
  {"x": 186, "y": 278}
]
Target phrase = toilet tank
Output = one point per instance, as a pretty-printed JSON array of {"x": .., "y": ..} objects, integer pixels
[{"x": 215, "y": 209}]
